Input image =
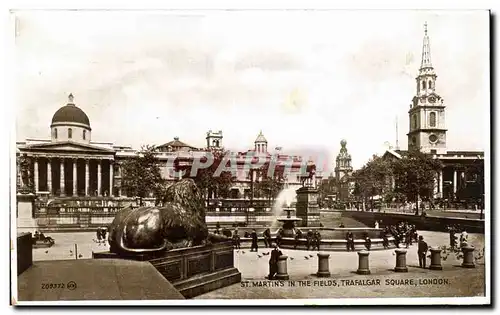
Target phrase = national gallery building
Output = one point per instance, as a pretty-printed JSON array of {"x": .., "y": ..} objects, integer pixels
[{"x": 76, "y": 181}]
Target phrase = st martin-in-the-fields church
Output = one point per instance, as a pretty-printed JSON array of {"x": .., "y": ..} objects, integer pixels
[{"x": 427, "y": 133}]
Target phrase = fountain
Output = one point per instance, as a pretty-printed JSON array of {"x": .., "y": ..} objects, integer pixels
[{"x": 288, "y": 222}]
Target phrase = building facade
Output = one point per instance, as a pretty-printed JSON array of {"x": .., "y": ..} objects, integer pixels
[
  {"x": 462, "y": 175},
  {"x": 77, "y": 181}
]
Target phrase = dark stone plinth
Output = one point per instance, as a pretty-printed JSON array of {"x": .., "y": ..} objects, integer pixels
[
  {"x": 194, "y": 270},
  {"x": 307, "y": 206},
  {"x": 24, "y": 252}
]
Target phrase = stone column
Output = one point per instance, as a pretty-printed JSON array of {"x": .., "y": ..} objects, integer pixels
[
  {"x": 436, "y": 184},
  {"x": 75, "y": 177},
  {"x": 441, "y": 182},
  {"x": 282, "y": 268},
  {"x": 363, "y": 263},
  {"x": 49, "y": 176},
  {"x": 468, "y": 257},
  {"x": 455, "y": 181},
  {"x": 99, "y": 178},
  {"x": 111, "y": 174},
  {"x": 401, "y": 261},
  {"x": 87, "y": 177},
  {"x": 61, "y": 177},
  {"x": 435, "y": 259},
  {"x": 323, "y": 268},
  {"x": 36, "y": 173}
]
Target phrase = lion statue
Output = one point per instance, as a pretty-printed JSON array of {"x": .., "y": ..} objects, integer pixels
[{"x": 178, "y": 221}]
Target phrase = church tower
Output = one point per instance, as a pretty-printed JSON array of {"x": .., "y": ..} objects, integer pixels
[
  {"x": 427, "y": 111},
  {"x": 343, "y": 172}
]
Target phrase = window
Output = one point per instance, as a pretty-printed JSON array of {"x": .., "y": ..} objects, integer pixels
[
  {"x": 70, "y": 133},
  {"x": 423, "y": 85},
  {"x": 414, "y": 121},
  {"x": 55, "y": 133},
  {"x": 430, "y": 84},
  {"x": 433, "y": 151},
  {"x": 432, "y": 119},
  {"x": 84, "y": 134}
]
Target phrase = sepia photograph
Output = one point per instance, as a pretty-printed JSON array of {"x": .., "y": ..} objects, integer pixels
[{"x": 250, "y": 157}]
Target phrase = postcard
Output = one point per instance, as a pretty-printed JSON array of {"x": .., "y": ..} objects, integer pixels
[{"x": 238, "y": 157}]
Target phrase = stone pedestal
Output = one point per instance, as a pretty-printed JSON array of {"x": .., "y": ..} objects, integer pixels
[
  {"x": 25, "y": 213},
  {"x": 401, "y": 261},
  {"x": 307, "y": 206},
  {"x": 363, "y": 265},
  {"x": 282, "y": 268},
  {"x": 323, "y": 266},
  {"x": 435, "y": 259},
  {"x": 468, "y": 257}
]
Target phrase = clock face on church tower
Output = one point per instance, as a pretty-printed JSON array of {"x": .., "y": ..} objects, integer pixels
[{"x": 433, "y": 138}]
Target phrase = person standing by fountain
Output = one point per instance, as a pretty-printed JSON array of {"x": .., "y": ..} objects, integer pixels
[
  {"x": 317, "y": 240},
  {"x": 279, "y": 236},
  {"x": 350, "y": 241},
  {"x": 254, "y": 241},
  {"x": 273, "y": 261},
  {"x": 298, "y": 236},
  {"x": 309, "y": 238},
  {"x": 267, "y": 238}
]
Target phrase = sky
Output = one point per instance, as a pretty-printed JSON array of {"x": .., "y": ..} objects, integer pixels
[{"x": 307, "y": 79}]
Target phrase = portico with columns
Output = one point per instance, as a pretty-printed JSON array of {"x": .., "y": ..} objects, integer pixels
[{"x": 70, "y": 164}]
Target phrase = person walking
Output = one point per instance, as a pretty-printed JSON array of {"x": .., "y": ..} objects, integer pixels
[{"x": 422, "y": 251}]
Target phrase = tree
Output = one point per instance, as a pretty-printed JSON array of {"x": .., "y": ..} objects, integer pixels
[
  {"x": 270, "y": 185},
  {"x": 326, "y": 188},
  {"x": 415, "y": 175},
  {"x": 372, "y": 178},
  {"x": 141, "y": 174},
  {"x": 205, "y": 178}
]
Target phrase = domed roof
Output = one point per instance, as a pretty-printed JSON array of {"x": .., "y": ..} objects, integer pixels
[
  {"x": 70, "y": 113},
  {"x": 260, "y": 138}
]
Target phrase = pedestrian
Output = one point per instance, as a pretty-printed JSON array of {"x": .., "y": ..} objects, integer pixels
[
  {"x": 408, "y": 238},
  {"x": 98, "y": 234},
  {"x": 273, "y": 261},
  {"x": 350, "y": 241},
  {"x": 376, "y": 224},
  {"x": 298, "y": 235},
  {"x": 385, "y": 241},
  {"x": 368, "y": 243},
  {"x": 236, "y": 239},
  {"x": 254, "y": 241},
  {"x": 309, "y": 238},
  {"x": 317, "y": 240},
  {"x": 279, "y": 236},
  {"x": 422, "y": 251},
  {"x": 267, "y": 238},
  {"x": 453, "y": 238},
  {"x": 103, "y": 233}
]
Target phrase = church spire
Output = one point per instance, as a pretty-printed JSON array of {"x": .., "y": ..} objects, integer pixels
[{"x": 426, "y": 51}]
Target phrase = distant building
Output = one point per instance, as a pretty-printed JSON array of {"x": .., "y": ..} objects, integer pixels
[
  {"x": 343, "y": 174},
  {"x": 78, "y": 181},
  {"x": 460, "y": 179}
]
